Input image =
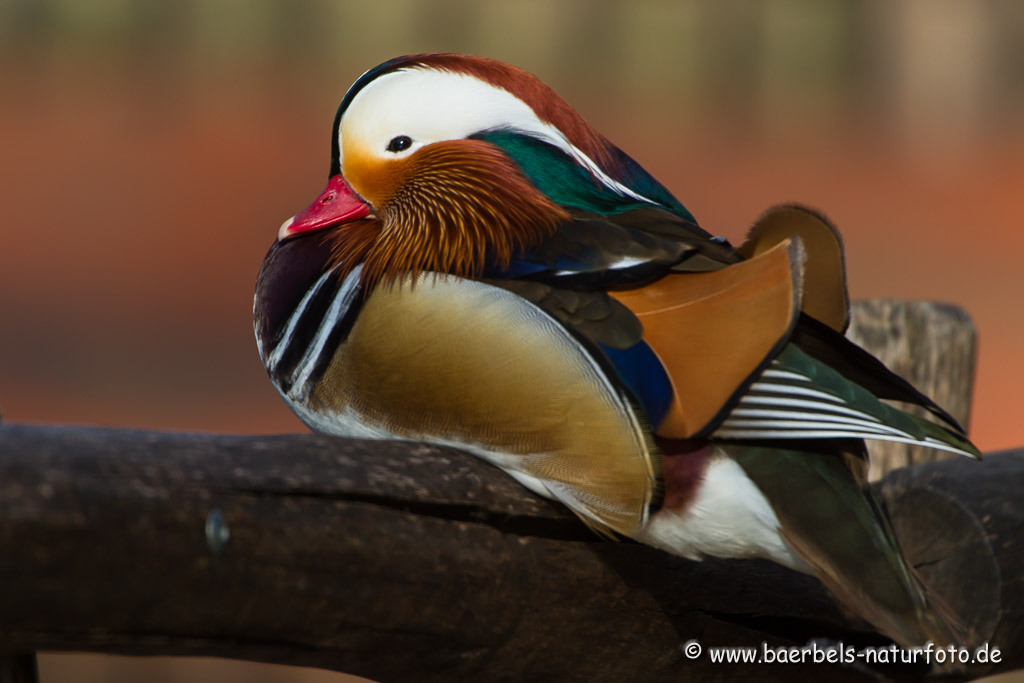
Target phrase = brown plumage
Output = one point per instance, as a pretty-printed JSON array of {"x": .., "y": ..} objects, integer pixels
[
  {"x": 714, "y": 331},
  {"x": 825, "y": 297},
  {"x": 451, "y": 208}
]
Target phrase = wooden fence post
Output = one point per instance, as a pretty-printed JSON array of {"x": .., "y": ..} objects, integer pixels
[{"x": 933, "y": 346}]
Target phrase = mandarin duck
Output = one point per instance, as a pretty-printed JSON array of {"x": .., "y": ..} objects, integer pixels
[{"x": 486, "y": 271}]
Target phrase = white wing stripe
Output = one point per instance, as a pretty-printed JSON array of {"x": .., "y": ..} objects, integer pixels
[
  {"x": 813, "y": 425},
  {"x": 342, "y": 300},
  {"x": 771, "y": 388},
  {"x": 772, "y": 373},
  {"x": 801, "y": 415},
  {"x": 286, "y": 336},
  {"x": 827, "y": 434},
  {"x": 797, "y": 414},
  {"x": 799, "y": 403}
]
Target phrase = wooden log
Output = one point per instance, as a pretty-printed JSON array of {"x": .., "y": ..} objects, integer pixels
[
  {"x": 933, "y": 346},
  {"x": 402, "y": 562},
  {"x": 18, "y": 667}
]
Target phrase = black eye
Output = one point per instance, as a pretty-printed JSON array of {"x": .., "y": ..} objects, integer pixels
[{"x": 399, "y": 143}]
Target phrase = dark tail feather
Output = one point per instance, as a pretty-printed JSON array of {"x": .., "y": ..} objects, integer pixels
[
  {"x": 942, "y": 625},
  {"x": 834, "y": 524},
  {"x": 830, "y": 347}
]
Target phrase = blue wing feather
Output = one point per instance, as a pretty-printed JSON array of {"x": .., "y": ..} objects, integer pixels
[{"x": 643, "y": 374}]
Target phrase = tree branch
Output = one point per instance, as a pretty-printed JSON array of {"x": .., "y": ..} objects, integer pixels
[{"x": 402, "y": 562}]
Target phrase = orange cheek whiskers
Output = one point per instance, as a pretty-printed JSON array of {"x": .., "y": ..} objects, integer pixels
[{"x": 448, "y": 208}]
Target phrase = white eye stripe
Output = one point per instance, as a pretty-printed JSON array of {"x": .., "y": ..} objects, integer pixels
[{"x": 430, "y": 106}]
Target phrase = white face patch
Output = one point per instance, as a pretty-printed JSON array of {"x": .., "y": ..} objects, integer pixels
[{"x": 429, "y": 106}]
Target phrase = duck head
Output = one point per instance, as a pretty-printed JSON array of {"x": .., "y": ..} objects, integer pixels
[{"x": 451, "y": 163}]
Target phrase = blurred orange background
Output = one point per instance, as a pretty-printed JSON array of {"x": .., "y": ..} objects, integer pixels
[{"x": 151, "y": 149}]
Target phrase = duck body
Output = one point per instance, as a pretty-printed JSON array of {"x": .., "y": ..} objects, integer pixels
[{"x": 485, "y": 271}]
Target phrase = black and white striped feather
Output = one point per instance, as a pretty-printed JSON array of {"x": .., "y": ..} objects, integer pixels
[{"x": 797, "y": 397}]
